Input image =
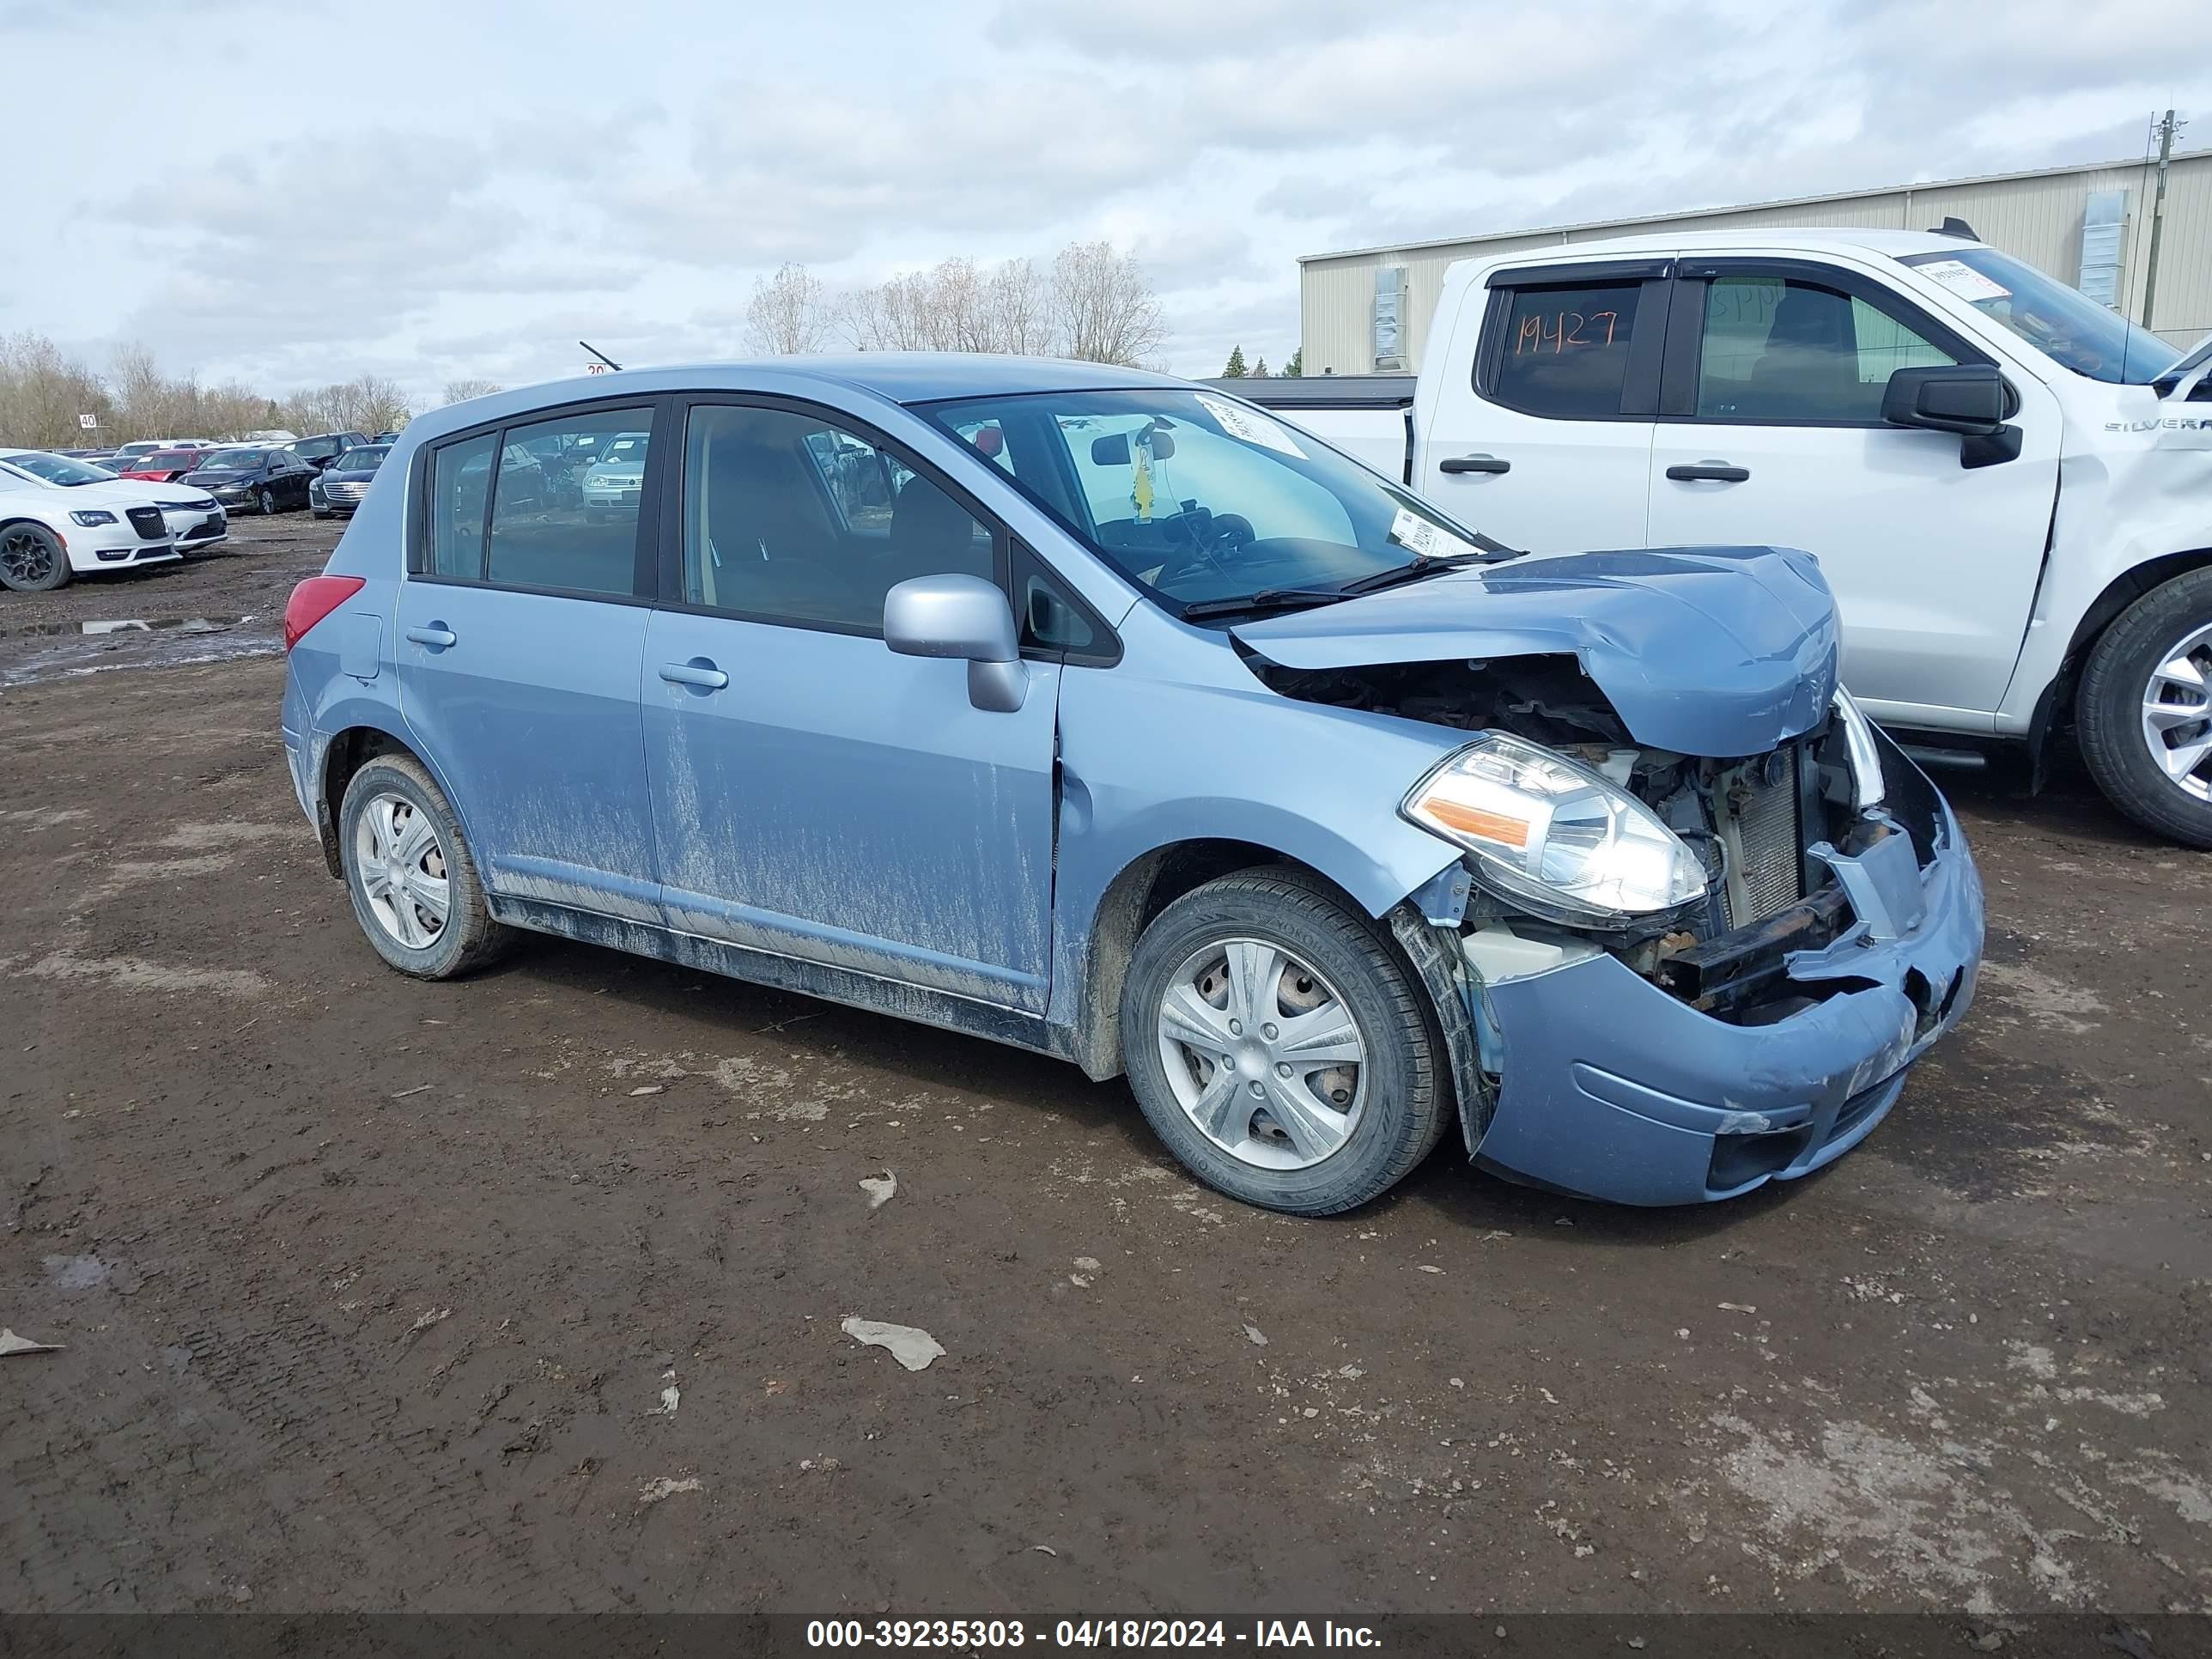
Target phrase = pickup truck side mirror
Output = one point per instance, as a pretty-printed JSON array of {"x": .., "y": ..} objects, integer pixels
[
  {"x": 1971, "y": 399},
  {"x": 966, "y": 616}
]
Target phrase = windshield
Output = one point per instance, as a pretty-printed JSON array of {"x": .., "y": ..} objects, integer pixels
[
  {"x": 59, "y": 469},
  {"x": 1197, "y": 498},
  {"x": 362, "y": 457},
  {"x": 233, "y": 460},
  {"x": 2060, "y": 321}
]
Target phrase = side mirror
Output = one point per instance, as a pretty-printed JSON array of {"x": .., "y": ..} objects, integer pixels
[
  {"x": 1971, "y": 399},
  {"x": 960, "y": 617}
]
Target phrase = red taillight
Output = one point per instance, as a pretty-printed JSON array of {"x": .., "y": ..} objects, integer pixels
[{"x": 314, "y": 599}]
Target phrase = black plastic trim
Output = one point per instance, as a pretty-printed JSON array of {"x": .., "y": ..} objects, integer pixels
[{"x": 1587, "y": 270}]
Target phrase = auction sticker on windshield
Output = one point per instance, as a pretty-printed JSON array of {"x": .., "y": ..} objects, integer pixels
[
  {"x": 1251, "y": 426},
  {"x": 1963, "y": 280},
  {"x": 1426, "y": 538}
]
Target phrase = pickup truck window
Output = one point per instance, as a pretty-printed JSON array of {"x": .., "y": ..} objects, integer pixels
[
  {"x": 1776, "y": 349},
  {"x": 1565, "y": 353},
  {"x": 2059, "y": 321}
]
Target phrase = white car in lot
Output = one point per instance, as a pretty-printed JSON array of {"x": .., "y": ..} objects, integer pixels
[
  {"x": 50, "y": 532},
  {"x": 196, "y": 518}
]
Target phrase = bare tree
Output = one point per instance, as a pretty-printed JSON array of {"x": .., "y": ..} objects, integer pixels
[
  {"x": 459, "y": 391},
  {"x": 1021, "y": 308},
  {"x": 370, "y": 404},
  {"x": 788, "y": 312},
  {"x": 1106, "y": 309},
  {"x": 42, "y": 393}
]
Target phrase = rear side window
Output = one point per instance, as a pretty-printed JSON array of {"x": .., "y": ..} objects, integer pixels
[
  {"x": 460, "y": 476},
  {"x": 1565, "y": 353},
  {"x": 547, "y": 531}
]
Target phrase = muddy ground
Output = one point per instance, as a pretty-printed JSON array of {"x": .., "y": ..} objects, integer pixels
[{"x": 525, "y": 1292}]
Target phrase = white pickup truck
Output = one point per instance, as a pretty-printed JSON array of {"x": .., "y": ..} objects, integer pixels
[{"x": 2008, "y": 487}]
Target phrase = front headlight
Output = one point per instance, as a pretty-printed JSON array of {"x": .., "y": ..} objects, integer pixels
[
  {"x": 1554, "y": 835},
  {"x": 92, "y": 515},
  {"x": 1866, "y": 785}
]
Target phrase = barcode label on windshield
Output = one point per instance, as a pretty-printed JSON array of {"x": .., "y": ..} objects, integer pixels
[{"x": 1427, "y": 539}]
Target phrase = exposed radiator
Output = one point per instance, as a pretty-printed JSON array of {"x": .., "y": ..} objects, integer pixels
[{"x": 1772, "y": 863}]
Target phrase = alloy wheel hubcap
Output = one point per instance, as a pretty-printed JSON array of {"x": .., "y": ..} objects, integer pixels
[
  {"x": 2177, "y": 713},
  {"x": 25, "y": 557},
  {"x": 401, "y": 866},
  {"x": 1263, "y": 1054}
]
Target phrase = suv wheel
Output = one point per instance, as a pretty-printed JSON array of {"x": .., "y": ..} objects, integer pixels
[
  {"x": 31, "y": 559},
  {"x": 2144, "y": 711},
  {"x": 414, "y": 886},
  {"x": 1280, "y": 1046}
]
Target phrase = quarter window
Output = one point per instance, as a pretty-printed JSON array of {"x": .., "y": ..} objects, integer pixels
[
  {"x": 551, "y": 527},
  {"x": 792, "y": 519},
  {"x": 459, "y": 477},
  {"x": 1777, "y": 350},
  {"x": 1565, "y": 351}
]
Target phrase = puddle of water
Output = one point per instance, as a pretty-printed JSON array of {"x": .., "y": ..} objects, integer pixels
[
  {"x": 128, "y": 625},
  {"x": 76, "y": 1272}
]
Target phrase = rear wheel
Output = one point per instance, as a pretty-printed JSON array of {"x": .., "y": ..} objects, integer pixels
[
  {"x": 32, "y": 559},
  {"x": 1279, "y": 1045},
  {"x": 2144, "y": 710},
  {"x": 413, "y": 883}
]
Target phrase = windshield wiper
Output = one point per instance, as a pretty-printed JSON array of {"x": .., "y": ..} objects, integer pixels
[
  {"x": 1413, "y": 572},
  {"x": 1267, "y": 598}
]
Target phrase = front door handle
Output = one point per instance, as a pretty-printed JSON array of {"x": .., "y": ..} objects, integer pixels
[
  {"x": 436, "y": 636},
  {"x": 1473, "y": 464},
  {"x": 1709, "y": 472},
  {"x": 700, "y": 672}
]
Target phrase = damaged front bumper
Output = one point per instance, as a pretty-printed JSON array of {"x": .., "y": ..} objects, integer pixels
[{"x": 1596, "y": 1081}]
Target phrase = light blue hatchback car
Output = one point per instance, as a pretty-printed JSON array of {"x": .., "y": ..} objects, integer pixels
[{"x": 1107, "y": 715}]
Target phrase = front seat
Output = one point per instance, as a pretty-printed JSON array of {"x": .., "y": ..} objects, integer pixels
[
  {"x": 1809, "y": 370},
  {"x": 933, "y": 535}
]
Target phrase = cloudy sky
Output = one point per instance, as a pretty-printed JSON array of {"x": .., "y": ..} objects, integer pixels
[{"x": 291, "y": 194}]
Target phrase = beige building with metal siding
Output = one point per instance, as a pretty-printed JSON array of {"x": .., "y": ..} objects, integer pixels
[{"x": 2036, "y": 217}]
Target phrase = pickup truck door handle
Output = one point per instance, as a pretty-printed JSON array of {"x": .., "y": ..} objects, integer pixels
[
  {"x": 1473, "y": 464},
  {"x": 1709, "y": 472},
  {"x": 437, "y": 635},
  {"x": 698, "y": 671}
]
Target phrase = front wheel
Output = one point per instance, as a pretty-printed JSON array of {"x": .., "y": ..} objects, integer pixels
[
  {"x": 267, "y": 503},
  {"x": 2144, "y": 710},
  {"x": 31, "y": 559},
  {"x": 413, "y": 883},
  {"x": 1279, "y": 1045}
]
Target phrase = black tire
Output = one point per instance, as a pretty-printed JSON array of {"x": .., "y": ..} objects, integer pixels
[
  {"x": 322, "y": 512},
  {"x": 1407, "y": 1098},
  {"x": 469, "y": 938},
  {"x": 2109, "y": 705},
  {"x": 32, "y": 558},
  {"x": 266, "y": 502}
]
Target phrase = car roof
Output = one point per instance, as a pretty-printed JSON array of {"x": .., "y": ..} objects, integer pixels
[
  {"x": 901, "y": 377},
  {"x": 1896, "y": 244}
]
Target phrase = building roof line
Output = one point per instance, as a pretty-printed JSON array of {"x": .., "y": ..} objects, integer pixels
[{"x": 1564, "y": 231}]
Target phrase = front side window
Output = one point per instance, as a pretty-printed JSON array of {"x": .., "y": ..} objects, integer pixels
[
  {"x": 1779, "y": 349},
  {"x": 792, "y": 518},
  {"x": 2061, "y": 322},
  {"x": 1197, "y": 498},
  {"x": 549, "y": 530},
  {"x": 1565, "y": 351}
]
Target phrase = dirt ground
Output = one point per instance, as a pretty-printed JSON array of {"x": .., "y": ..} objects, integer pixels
[{"x": 525, "y": 1292}]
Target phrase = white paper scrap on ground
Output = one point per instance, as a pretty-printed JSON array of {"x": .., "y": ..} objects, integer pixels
[{"x": 911, "y": 1347}]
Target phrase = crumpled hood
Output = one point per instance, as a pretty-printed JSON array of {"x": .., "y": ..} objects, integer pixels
[{"x": 1720, "y": 651}]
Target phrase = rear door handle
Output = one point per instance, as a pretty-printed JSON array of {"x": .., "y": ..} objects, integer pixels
[
  {"x": 1709, "y": 472},
  {"x": 1473, "y": 464},
  {"x": 437, "y": 635},
  {"x": 699, "y": 672}
]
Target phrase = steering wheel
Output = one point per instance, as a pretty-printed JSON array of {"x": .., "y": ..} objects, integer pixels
[{"x": 1225, "y": 535}]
